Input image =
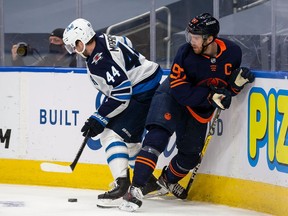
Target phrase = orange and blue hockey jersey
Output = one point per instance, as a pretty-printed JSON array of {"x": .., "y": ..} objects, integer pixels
[{"x": 192, "y": 74}]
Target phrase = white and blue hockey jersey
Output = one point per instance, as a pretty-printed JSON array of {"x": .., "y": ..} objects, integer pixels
[{"x": 118, "y": 71}]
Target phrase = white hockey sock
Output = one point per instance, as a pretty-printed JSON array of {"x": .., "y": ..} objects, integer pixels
[{"x": 116, "y": 152}]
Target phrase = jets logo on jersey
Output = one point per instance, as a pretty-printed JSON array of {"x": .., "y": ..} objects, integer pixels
[{"x": 97, "y": 58}]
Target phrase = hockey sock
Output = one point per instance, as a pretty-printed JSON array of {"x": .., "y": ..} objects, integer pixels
[
  {"x": 175, "y": 172},
  {"x": 153, "y": 145},
  {"x": 144, "y": 167}
]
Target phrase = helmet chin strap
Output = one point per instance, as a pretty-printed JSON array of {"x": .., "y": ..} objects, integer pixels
[
  {"x": 204, "y": 47},
  {"x": 81, "y": 52}
]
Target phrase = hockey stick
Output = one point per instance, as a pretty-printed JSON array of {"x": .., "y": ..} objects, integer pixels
[
  {"x": 207, "y": 141},
  {"x": 52, "y": 167}
]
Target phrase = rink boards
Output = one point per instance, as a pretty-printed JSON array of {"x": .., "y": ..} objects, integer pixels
[{"x": 43, "y": 109}]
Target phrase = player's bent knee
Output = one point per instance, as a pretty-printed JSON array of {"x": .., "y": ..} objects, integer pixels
[
  {"x": 188, "y": 161},
  {"x": 157, "y": 138}
]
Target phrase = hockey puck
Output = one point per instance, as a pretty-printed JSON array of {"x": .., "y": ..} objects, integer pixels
[{"x": 72, "y": 200}]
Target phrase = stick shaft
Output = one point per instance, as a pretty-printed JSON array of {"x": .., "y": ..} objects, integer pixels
[
  {"x": 79, "y": 153},
  {"x": 207, "y": 141},
  {"x": 52, "y": 167}
]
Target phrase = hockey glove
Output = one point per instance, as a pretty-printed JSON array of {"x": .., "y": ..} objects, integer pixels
[
  {"x": 94, "y": 125},
  {"x": 219, "y": 98},
  {"x": 240, "y": 77}
]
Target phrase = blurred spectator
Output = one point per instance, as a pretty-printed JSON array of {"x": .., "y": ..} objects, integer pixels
[{"x": 57, "y": 56}]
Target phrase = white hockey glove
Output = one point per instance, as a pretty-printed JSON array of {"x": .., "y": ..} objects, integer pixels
[
  {"x": 220, "y": 98},
  {"x": 240, "y": 77}
]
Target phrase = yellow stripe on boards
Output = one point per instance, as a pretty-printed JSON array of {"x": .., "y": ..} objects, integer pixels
[
  {"x": 28, "y": 172},
  {"x": 88, "y": 176},
  {"x": 240, "y": 193}
]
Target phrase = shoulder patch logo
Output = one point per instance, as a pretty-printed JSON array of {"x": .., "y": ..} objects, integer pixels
[{"x": 97, "y": 58}]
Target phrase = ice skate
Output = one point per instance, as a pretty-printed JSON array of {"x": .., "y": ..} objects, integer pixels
[
  {"x": 132, "y": 200},
  {"x": 113, "y": 197},
  {"x": 176, "y": 189},
  {"x": 153, "y": 189}
]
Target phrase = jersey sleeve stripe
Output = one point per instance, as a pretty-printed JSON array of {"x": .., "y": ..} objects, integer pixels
[
  {"x": 177, "y": 84},
  {"x": 122, "y": 97},
  {"x": 123, "y": 85}
]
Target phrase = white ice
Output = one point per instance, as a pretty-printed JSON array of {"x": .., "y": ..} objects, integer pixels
[{"x": 20, "y": 200}]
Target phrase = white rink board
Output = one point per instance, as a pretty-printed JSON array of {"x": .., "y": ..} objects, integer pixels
[
  {"x": 29, "y": 98},
  {"x": 25, "y": 95},
  {"x": 228, "y": 154}
]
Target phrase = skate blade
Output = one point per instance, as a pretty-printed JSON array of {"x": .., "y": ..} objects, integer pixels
[
  {"x": 109, "y": 203},
  {"x": 159, "y": 193},
  {"x": 107, "y": 206}
]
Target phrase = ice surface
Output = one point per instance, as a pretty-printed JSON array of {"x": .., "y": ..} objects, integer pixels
[{"x": 20, "y": 200}]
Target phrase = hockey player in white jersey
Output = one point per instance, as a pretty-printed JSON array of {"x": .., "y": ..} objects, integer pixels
[{"x": 128, "y": 80}]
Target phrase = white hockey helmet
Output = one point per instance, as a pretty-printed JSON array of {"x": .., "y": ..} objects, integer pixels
[{"x": 80, "y": 29}]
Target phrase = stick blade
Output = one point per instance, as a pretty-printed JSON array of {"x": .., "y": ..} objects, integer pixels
[{"x": 51, "y": 167}]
